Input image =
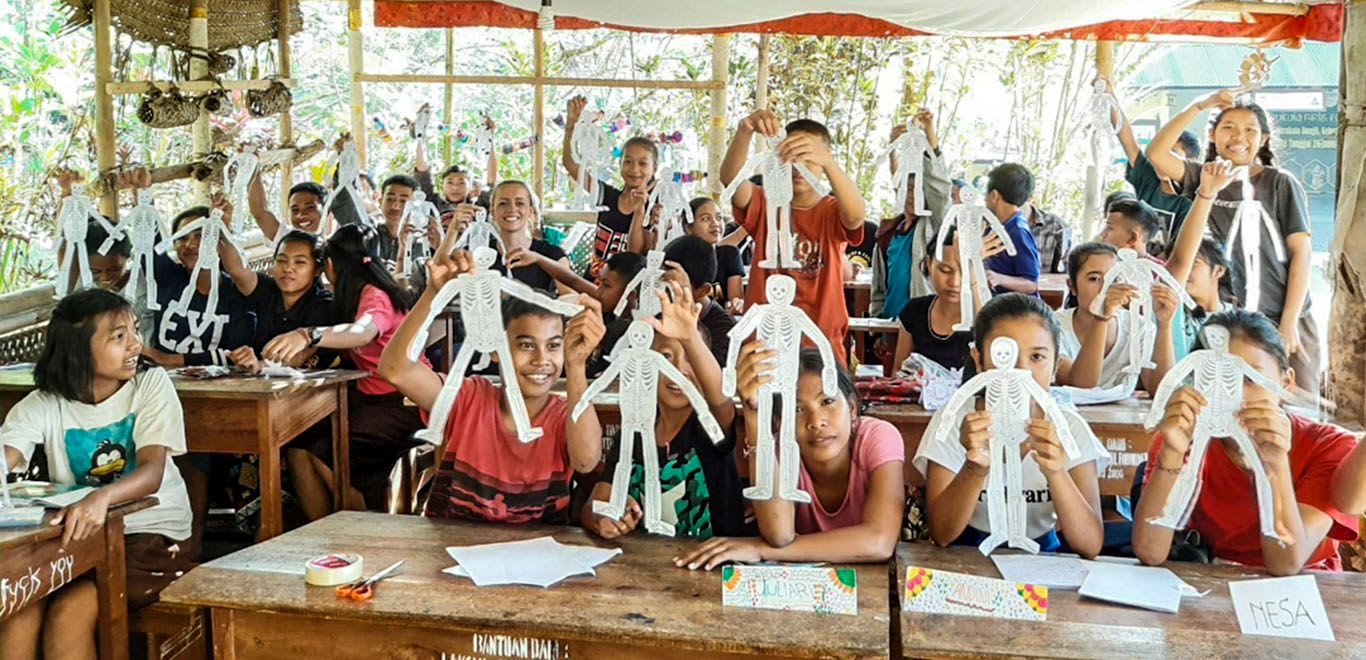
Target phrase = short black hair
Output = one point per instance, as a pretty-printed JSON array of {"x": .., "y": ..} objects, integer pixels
[
  {"x": 95, "y": 236},
  {"x": 309, "y": 188},
  {"x": 626, "y": 264},
  {"x": 1117, "y": 196},
  {"x": 696, "y": 256},
  {"x": 1013, "y": 181},
  {"x": 959, "y": 183},
  {"x": 1083, "y": 251},
  {"x": 1253, "y": 327},
  {"x": 1012, "y": 306},
  {"x": 369, "y": 180},
  {"x": 66, "y": 368},
  {"x": 644, "y": 142},
  {"x": 696, "y": 204},
  {"x": 1189, "y": 144},
  {"x": 314, "y": 242},
  {"x": 809, "y": 126},
  {"x": 809, "y": 362},
  {"x": 454, "y": 169},
  {"x": 516, "y": 308},
  {"x": 192, "y": 213},
  {"x": 1140, "y": 215},
  {"x": 1212, "y": 252},
  {"x": 399, "y": 180}
]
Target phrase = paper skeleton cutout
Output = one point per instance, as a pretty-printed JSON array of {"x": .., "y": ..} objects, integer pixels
[
  {"x": 78, "y": 211},
  {"x": 1218, "y": 376},
  {"x": 1139, "y": 273},
  {"x": 645, "y": 283},
  {"x": 211, "y": 231},
  {"x": 481, "y": 310},
  {"x": 348, "y": 176},
  {"x": 237, "y": 174},
  {"x": 1100, "y": 113},
  {"x": 482, "y": 142},
  {"x": 777, "y": 176},
  {"x": 910, "y": 150},
  {"x": 418, "y": 214},
  {"x": 781, "y": 327},
  {"x": 970, "y": 217},
  {"x": 637, "y": 368},
  {"x": 142, "y": 225},
  {"x": 479, "y": 233},
  {"x": 1248, "y": 220},
  {"x": 1009, "y": 392},
  {"x": 675, "y": 211},
  {"x": 418, "y": 130},
  {"x": 592, "y": 150}
]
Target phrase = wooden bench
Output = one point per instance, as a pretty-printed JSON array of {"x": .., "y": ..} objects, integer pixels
[{"x": 171, "y": 632}]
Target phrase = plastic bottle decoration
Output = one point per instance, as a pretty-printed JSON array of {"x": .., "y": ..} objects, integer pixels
[
  {"x": 675, "y": 211},
  {"x": 592, "y": 149},
  {"x": 777, "y": 175},
  {"x": 481, "y": 297},
  {"x": 520, "y": 145},
  {"x": 910, "y": 149},
  {"x": 480, "y": 233},
  {"x": 972, "y": 219},
  {"x": 142, "y": 226},
  {"x": 1248, "y": 220},
  {"x": 645, "y": 283},
  {"x": 782, "y": 328},
  {"x": 1009, "y": 393},
  {"x": 1139, "y": 273},
  {"x": 1218, "y": 376},
  {"x": 237, "y": 174},
  {"x": 417, "y": 130},
  {"x": 347, "y": 164},
  {"x": 212, "y": 231},
  {"x": 418, "y": 214},
  {"x": 1101, "y": 114},
  {"x": 78, "y": 210},
  {"x": 637, "y": 368}
]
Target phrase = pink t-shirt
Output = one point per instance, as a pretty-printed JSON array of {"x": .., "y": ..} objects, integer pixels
[
  {"x": 375, "y": 303},
  {"x": 876, "y": 442}
]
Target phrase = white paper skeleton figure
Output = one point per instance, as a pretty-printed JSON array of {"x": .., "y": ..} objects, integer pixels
[
  {"x": 649, "y": 280},
  {"x": 592, "y": 150},
  {"x": 418, "y": 214},
  {"x": 482, "y": 143},
  {"x": 1009, "y": 393},
  {"x": 1139, "y": 273},
  {"x": 781, "y": 327},
  {"x": 142, "y": 225},
  {"x": 972, "y": 219},
  {"x": 1102, "y": 125},
  {"x": 1248, "y": 220},
  {"x": 211, "y": 232},
  {"x": 77, "y": 212},
  {"x": 1218, "y": 376},
  {"x": 910, "y": 149},
  {"x": 777, "y": 176},
  {"x": 675, "y": 212},
  {"x": 237, "y": 174},
  {"x": 479, "y": 233},
  {"x": 348, "y": 176},
  {"x": 637, "y": 367},
  {"x": 481, "y": 310},
  {"x": 420, "y": 122}
]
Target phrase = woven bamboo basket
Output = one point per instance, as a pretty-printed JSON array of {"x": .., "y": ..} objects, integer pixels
[{"x": 232, "y": 23}]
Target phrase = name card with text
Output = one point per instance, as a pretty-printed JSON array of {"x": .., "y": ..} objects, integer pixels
[
  {"x": 821, "y": 590},
  {"x": 1281, "y": 607},
  {"x": 942, "y": 592}
]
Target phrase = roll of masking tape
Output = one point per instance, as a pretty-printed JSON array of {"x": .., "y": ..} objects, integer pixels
[{"x": 332, "y": 570}]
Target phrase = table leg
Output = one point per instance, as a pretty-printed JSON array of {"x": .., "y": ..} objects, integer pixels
[
  {"x": 111, "y": 585},
  {"x": 341, "y": 450},
  {"x": 272, "y": 498}
]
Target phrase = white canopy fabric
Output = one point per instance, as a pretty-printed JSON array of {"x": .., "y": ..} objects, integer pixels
[{"x": 980, "y": 18}]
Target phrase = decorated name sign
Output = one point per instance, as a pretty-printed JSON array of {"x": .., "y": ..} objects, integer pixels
[
  {"x": 931, "y": 591},
  {"x": 1281, "y": 607},
  {"x": 791, "y": 588}
]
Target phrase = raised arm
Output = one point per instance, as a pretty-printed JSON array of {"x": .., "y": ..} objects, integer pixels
[
  {"x": 1214, "y": 177},
  {"x": 399, "y": 363},
  {"x": 572, "y": 113},
  {"x": 1159, "y": 151},
  {"x": 736, "y": 163},
  {"x": 799, "y": 148},
  {"x": 633, "y": 285},
  {"x": 260, "y": 209},
  {"x": 1124, "y": 130}
]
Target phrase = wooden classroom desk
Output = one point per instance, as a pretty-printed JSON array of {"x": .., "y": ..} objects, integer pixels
[
  {"x": 1053, "y": 289},
  {"x": 1083, "y": 628},
  {"x": 858, "y": 294},
  {"x": 33, "y": 565},
  {"x": 638, "y": 606},
  {"x": 861, "y": 327},
  {"x": 250, "y": 415}
]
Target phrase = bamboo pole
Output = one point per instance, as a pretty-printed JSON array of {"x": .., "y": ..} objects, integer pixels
[
  {"x": 761, "y": 78},
  {"x": 126, "y": 87},
  {"x": 716, "y": 143},
  {"x": 282, "y": 19},
  {"x": 553, "y": 81},
  {"x": 201, "y": 133},
  {"x": 1347, "y": 319},
  {"x": 538, "y": 115},
  {"x": 448, "y": 98},
  {"x": 1095, "y": 177},
  {"x": 356, "y": 56},
  {"x": 105, "y": 144}
]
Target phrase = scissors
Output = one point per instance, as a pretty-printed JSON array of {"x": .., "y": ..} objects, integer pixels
[{"x": 362, "y": 590}]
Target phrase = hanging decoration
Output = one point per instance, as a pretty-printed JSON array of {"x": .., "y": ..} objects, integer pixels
[
  {"x": 142, "y": 226},
  {"x": 270, "y": 101},
  {"x": 78, "y": 211},
  {"x": 212, "y": 232},
  {"x": 646, "y": 282},
  {"x": 972, "y": 219},
  {"x": 910, "y": 149}
]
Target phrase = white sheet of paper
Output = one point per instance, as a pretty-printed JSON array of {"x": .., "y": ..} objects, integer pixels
[
  {"x": 540, "y": 562},
  {"x": 1148, "y": 587},
  {"x": 63, "y": 500},
  {"x": 1062, "y": 572},
  {"x": 1187, "y": 591},
  {"x": 1281, "y": 607}
]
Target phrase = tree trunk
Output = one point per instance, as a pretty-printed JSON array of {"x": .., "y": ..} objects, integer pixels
[{"x": 1347, "y": 323}]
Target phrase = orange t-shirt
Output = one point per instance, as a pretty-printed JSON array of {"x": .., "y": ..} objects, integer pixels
[{"x": 820, "y": 240}]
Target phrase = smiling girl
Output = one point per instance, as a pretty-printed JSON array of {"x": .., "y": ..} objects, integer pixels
[
  {"x": 728, "y": 286},
  {"x": 534, "y": 262}
]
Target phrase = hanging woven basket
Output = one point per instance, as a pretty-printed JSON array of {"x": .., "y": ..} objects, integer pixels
[
  {"x": 232, "y": 23},
  {"x": 270, "y": 101},
  {"x": 167, "y": 109}
]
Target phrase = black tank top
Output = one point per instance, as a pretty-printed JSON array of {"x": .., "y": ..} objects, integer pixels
[{"x": 950, "y": 351}]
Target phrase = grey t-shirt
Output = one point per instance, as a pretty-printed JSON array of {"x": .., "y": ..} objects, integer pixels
[{"x": 1283, "y": 198}]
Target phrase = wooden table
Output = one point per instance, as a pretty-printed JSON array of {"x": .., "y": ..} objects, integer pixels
[
  {"x": 33, "y": 566},
  {"x": 251, "y": 415},
  {"x": 639, "y": 605},
  {"x": 1053, "y": 289},
  {"x": 1083, "y": 628},
  {"x": 861, "y": 327},
  {"x": 858, "y": 295}
]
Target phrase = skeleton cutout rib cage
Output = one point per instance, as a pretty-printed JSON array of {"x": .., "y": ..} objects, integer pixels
[
  {"x": 1141, "y": 274},
  {"x": 777, "y": 181},
  {"x": 972, "y": 219}
]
